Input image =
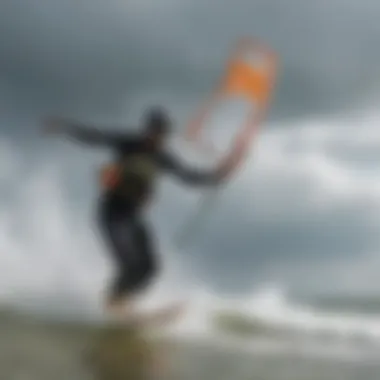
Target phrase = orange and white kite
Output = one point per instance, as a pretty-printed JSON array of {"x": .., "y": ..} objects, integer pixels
[{"x": 249, "y": 77}]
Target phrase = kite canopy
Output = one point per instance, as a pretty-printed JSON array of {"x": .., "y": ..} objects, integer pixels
[{"x": 249, "y": 76}]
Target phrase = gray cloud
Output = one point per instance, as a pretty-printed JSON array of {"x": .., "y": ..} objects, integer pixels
[
  {"x": 296, "y": 206},
  {"x": 78, "y": 57}
]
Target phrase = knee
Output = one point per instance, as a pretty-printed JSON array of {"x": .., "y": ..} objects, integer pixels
[{"x": 147, "y": 272}]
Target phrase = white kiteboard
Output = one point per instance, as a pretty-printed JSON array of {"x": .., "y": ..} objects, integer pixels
[{"x": 161, "y": 317}]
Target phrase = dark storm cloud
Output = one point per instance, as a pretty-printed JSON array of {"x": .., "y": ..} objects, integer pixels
[
  {"x": 82, "y": 56},
  {"x": 254, "y": 243}
]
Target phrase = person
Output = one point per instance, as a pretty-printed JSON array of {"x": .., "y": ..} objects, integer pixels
[{"x": 128, "y": 186}]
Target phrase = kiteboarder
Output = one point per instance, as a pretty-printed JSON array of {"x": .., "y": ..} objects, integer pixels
[{"x": 128, "y": 185}]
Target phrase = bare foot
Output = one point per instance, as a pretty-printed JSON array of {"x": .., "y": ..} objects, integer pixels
[
  {"x": 169, "y": 314},
  {"x": 118, "y": 309}
]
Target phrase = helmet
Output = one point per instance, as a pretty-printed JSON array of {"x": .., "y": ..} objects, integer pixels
[{"x": 157, "y": 119}]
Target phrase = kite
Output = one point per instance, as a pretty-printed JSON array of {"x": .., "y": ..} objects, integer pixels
[{"x": 249, "y": 76}]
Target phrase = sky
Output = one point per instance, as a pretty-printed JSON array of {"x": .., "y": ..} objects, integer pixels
[{"x": 303, "y": 213}]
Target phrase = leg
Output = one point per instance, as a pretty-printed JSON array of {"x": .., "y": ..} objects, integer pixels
[
  {"x": 145, "y": 263},
  {"x": 130, "y": 243},
  {"x": 137, "y": 270}
]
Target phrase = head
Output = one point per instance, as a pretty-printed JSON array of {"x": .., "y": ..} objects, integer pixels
[{"x": 157, "y": 125}]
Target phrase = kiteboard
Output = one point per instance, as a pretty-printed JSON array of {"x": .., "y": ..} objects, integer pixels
[{"x": 158, "y": 318}]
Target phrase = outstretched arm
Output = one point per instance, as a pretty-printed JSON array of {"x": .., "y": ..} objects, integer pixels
[
  {"x": 193, "y": 176},
  {"x": 85, "y": 134}
]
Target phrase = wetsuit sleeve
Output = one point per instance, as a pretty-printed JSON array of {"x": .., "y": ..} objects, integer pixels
[
  {"x": 94, "y": 136},
  {"x": 190, "y": 175}
]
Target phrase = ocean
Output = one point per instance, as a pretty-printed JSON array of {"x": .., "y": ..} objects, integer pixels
[{"x": 263, "y": 338}]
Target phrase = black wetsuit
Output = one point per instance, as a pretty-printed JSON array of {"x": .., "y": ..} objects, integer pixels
[{"x": 120, "y": 215}]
